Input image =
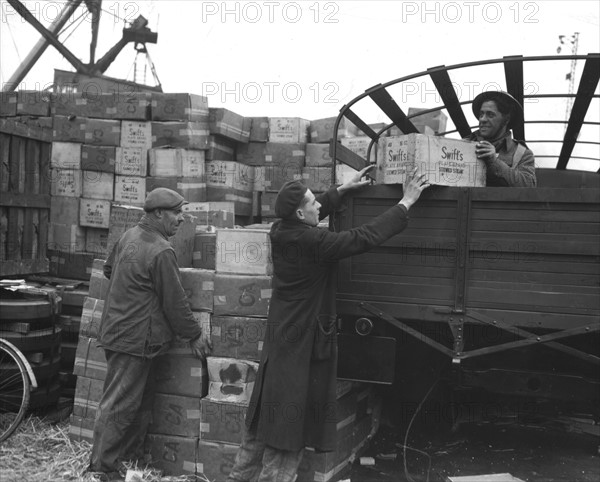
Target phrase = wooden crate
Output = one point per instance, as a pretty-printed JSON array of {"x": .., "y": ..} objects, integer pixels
[{"x": 24, "y": 197}]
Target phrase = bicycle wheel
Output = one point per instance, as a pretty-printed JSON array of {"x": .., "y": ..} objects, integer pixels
[{"x": 14, "y": 391}]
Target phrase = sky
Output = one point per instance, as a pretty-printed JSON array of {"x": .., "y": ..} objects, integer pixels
[{"x": 309, "y": 58}]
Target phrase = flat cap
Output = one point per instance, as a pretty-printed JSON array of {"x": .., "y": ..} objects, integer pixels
[
  {"x": 288, "y": 199},
  {"x": 163, "y": 198}
]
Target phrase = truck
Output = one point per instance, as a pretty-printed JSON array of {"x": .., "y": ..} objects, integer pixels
[{"x": 498, "y": 286}]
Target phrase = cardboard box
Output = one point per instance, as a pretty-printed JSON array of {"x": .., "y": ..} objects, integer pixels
[
  {"x": 321, "y": 130},
  {"x": 121, "y": 219},
  {"x": 317, "y": 179},
  {"x": 33, "y": 103},
  {"x": 205, "y": 247},
  {"x": 259, "y": 129},
  {"x": 88, "y": 392},
  {"x": 344, "y": 173},
  {"x": 175, "y": 415},
  {"x": 190, "y": 188},
  {"x": 176, "y": 163},
  {"x": 64, "y": 210},
  {"x": 360, "y": 145},
  {"x": 229, "y": 124},
  {"x": 179, "y": 107},
  {"x": 238, "y": 337},
  {"x": 98, "y": 185},
  {"x": 230, "y": 174},
  {"x": 395, "y": 131},
  {"x": 131, "y": 161},
  {"x": 65, "y": 182},
  {"x": 74, "y": 265},
  {"x": 96, "y": 241},
  {"x": 199, "y": 285},
  {"x": 220, "y": 149},
  {"x": 102, "y": 132},
  {"x": 244, "y": 251},
  {"x": 217, "y": 214},
  {"x": 67, "y": 129},
  {"x": 66, "y": 237},
  {"x": 181, "y": 375},
  {"x": 183, "y": 243},
  {"x": 90, "y": 361},
  {"x": 94, "y": 213},
  {"x": 231, "y": 380},
  {"x": 242, "y": 295},
  {"x": 215, "y": 460},
  {"x": 130, "y": 190},
  {"x": 171, "y": 454},
  {"x": 222, "y": 422},
  {"x": 66, "y": 155},
  {"x": 98, "y": 282},
  {"x": 98, "y": 158},
  {"x": 270, "y": 153},
  {"x": 230, "y": 181},
  {"x": 317, "y": 155},
  {"x": 436, "y": 121},
  {"x": 90, "y": 317},
  {"x": 8, "y": 104},
  {"x": 272, "y": 177},
  {"x": 81, "y": 429},
  {"x": 288, "y": 130},
  {"x": 136, "y": 134},
  {"x": 130, "y": 105},
  {"x": 242, "y": 200},
  {"x": 446, "y": 162},
  {"x": 188, "y": 135},
  {"x": 267, "y": 204}
]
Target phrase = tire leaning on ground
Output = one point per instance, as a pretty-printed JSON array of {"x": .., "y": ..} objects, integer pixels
[{"x": 14, "y": 389}]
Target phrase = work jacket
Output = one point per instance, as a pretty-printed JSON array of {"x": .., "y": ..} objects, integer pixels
[
  {"x": 293, "y": 402},
  {"x": 146, "y": 304},
  {"x": 514, "y": 166}
]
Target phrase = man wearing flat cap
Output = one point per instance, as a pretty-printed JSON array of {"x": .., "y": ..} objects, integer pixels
[
  {"x": 293, "y": 400},
  {"x": 509, "y": 162},
  {"x": 146, "y": 306}
]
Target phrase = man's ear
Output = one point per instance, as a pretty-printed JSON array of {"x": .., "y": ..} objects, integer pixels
[{"x": 300, "y": 214}]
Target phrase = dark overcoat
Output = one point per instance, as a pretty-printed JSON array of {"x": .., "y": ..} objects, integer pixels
[{"x": 293, "y": 402}]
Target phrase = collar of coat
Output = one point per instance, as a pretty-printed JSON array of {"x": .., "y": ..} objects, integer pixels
[{"x": 153, "y": 225}]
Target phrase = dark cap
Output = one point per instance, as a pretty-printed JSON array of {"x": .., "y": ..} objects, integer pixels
[
  {"x": 516, "y": 110},
  {"x": 163, "y": 198},
  {"x": 289, "y": 197}
]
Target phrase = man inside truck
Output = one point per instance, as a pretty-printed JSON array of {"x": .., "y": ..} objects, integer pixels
[
  {"x": 295, "y": 388},
  {"x": 509, "y": 162}
]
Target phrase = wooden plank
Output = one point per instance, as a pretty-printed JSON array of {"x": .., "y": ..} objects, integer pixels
[
  {"x": 388, "y": 105},
  {"x": 587, "y": 86},
  {"x": 44, "y": 189},
  {"x": 31, "y": 182},
  {"x": 3, "y": 233},
  {"x": 551, "y": 280},
  {"x": 14, "y": 267},
  {"x": 5, "y": 141},
  {"x": 534, "y": 226},
  {"x": 513, "y": 72},
  {"x": 539, "y": 194},
  {"x": 536, "y": 262},
  {"x": 16, "y": 128},
  {"x": 10, "y": 199},
  {"x": 445, "y": 87}
]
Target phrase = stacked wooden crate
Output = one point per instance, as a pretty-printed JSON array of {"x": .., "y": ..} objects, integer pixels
[
  {"x": 242, "y": 292},
  {"x": 277, "y": 150}
]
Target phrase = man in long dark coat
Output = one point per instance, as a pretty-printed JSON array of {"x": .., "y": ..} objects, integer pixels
[{"x": 293, "y": 402}]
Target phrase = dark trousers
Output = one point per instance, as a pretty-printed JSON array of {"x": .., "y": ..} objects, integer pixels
[{"x": 124, "y": 413}]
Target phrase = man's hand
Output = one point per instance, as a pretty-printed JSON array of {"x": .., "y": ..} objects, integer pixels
[
  {"x": 201, "y": 347},
  {"x": 485, "y": 151},
  {"x": 413, "y": 186},
  {"x": 356, "y": 181}
]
